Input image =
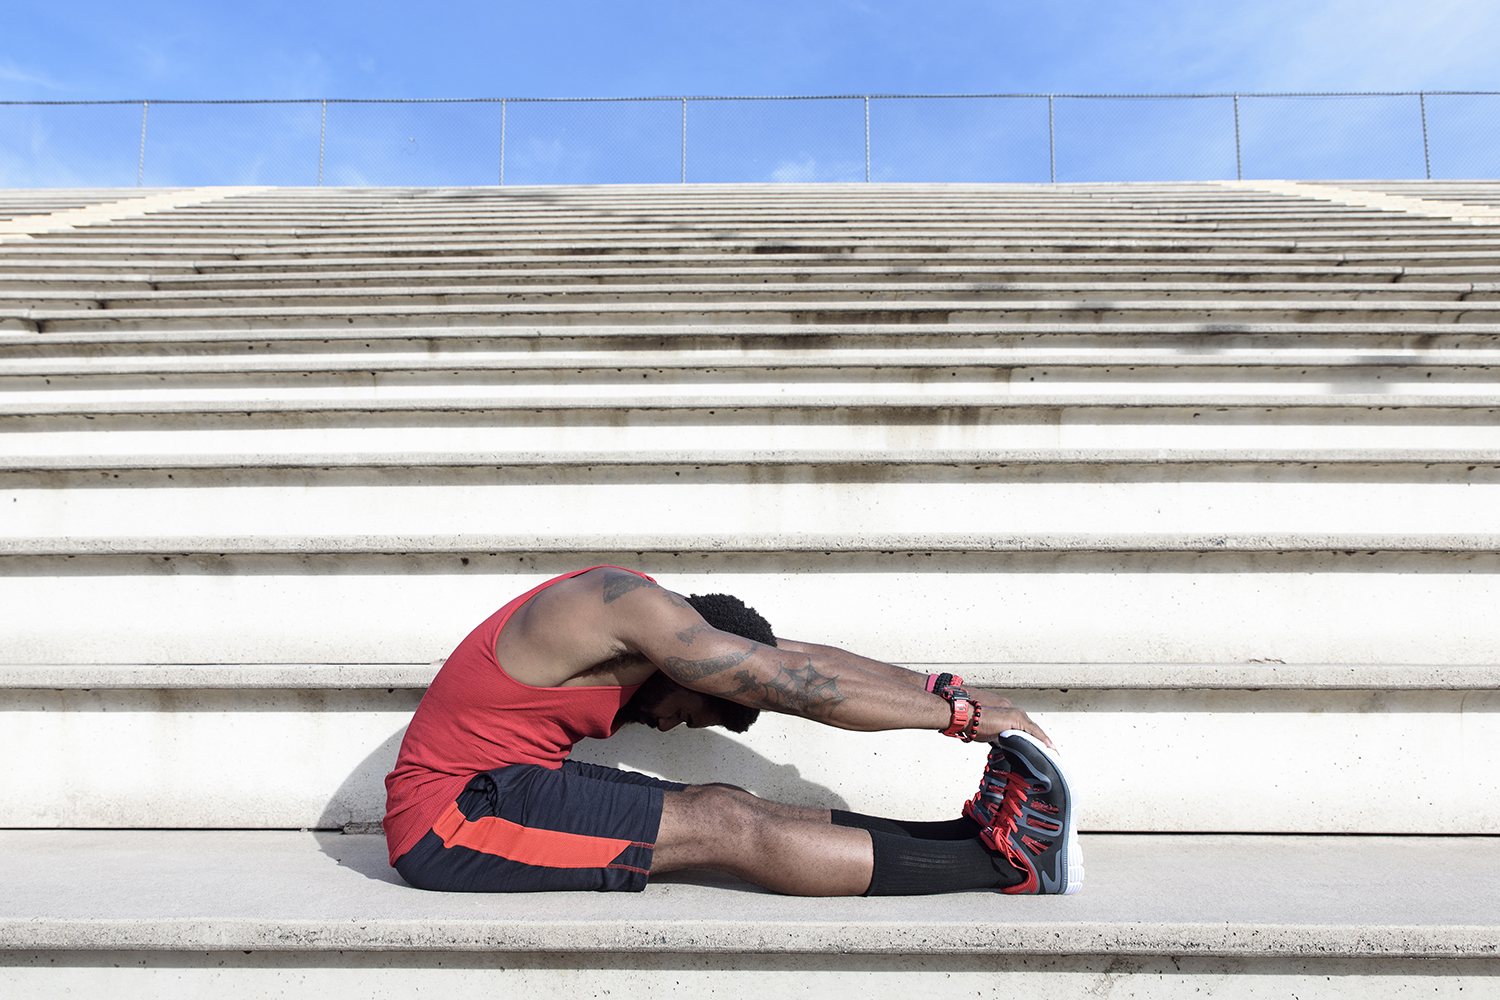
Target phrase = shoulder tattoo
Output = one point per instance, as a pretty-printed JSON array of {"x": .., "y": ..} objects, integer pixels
[{"x": 617, "y": 585}]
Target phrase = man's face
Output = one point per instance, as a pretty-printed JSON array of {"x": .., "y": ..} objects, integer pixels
[{"x": 664, "y": 704}]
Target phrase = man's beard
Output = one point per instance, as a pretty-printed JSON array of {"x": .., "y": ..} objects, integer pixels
[
  {"x": 646, "y": 700},
  {"x": 658, "y": 687}
]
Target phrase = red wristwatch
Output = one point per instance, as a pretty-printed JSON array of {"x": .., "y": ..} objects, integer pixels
[{"x": 964, "y": 723}]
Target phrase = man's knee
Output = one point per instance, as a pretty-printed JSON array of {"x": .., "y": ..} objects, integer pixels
[
  {"x": 724, "y": 784},
  {"x": 716, "y": 804},
  {"x": 708, "y": 817}
]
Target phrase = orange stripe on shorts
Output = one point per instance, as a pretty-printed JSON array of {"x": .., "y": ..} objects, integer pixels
[{"x": 544, "y": 848}]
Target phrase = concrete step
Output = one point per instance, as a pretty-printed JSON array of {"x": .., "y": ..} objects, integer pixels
[
  {"x": 680, "y": 439},
  {"x": 1253, "y": 676},
  {"x": 1084, "y": 605},
  {"x": 800, "y": 509},
  {"x": 965, "y": 227},
  {"x": 27, "y": 204},
  {"x": 62, "y": 355},
  {"x": 1428, "y": 235},
  {"x": 1029, "y": 296},
  {"x": 745, "y": 316},
  {"x": 243, "y": 913},
  {"x": 748, "y": 508},
  {"x": 1469, "y": 192},
  {"x": 503, "y": 274},
  {"x": 46, "y": 253},
  {"x": 1161, "y": 747},
  {"x": 885, "y": 389},
  {"x": 1104, "y": 263}
]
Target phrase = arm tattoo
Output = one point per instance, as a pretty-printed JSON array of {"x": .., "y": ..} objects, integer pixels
[
  {"x": 687, "y": 635},
  {"x": 617, "y": 585},
  {"x": 683, "y": 671},
  {"x": 798, "y": 690}
]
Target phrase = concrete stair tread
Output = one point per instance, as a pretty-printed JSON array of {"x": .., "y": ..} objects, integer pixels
[
  {"x": 422, "y": 357},
  {"x": 1143, "y": 895},
  {"x": 996, "y": 676},
  {"x": 1338, "y": 279},
  {"x": 808, "y": 319},
  {"x": 716, "y": 234},
  {"x": 1225, "y": 303},
  {"x": 289, "y": 456},
  {"x": 100, "y": 329},
  {"x": 170, "y": 228},
  {"x": 782, "y": 261},
  {"x": 465, "y": 243},
  {"x": 243, "y": 543},
  {"x": 41, "y": 254},
  {"x": 1023, "y": 294},
  {"x": 812, "y": 398}
]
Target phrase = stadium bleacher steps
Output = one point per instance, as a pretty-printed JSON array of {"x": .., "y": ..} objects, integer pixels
[{"x": 1208, "y": 475}]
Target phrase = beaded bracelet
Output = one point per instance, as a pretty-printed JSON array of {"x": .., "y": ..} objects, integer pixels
[{"x": 966, "y": 710}]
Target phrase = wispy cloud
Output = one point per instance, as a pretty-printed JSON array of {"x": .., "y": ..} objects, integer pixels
[
  {"x": 1388, "y": 44},
  {"x": 1293, "y": 45},
  {"x": 11, "y": 73},
  {"x": 789, "y": 172}
]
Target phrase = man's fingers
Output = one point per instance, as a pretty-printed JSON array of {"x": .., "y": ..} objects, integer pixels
[
  {"x": 1011, "y": 718},
  {"x": 1024, "y": 723}
]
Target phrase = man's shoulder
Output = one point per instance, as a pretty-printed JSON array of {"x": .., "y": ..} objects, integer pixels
[
  {"x": 614, "y": 583},
  {"x": 598, "y": 587},
  {"x": 576, "y": 626}
]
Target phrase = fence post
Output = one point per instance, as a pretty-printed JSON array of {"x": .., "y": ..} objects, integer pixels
[
  {"x": 322, "y": 138},
  {"x": 502, "y": 142},
  {"x": 140, "y": 167},
  {"x": 1426, "y": 156},
  {"x": 1239, "y": 172},
  {"x": 1051, "y": 140},
  {"x": 684, "y": 140},
  {"x": 867, "y": 138}
]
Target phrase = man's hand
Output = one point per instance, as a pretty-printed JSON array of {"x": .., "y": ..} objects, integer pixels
[
  {"x": 999, "y": 712},
  {"x": 994, "y": 721},
  {"x": 988, "y": 698}
]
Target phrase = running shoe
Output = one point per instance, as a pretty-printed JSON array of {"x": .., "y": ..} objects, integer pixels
[{"x": 1025, "y": 811}]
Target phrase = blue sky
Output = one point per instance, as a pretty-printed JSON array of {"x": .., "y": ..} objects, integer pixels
[{"x": 88, "y": 50}]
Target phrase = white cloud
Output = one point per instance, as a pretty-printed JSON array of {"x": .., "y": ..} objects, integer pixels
[
  {"x": 11, "y": 73},
  {"x": 1334, "y": 45},
  {"x": 793, "y": 172},
  {"x": 809, "y": 169}
]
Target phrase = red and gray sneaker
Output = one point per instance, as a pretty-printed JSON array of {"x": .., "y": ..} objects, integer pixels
[{"x": 1025, "y": 811}]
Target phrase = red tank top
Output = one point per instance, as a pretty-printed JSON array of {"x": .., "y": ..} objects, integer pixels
[{"x": 475, "y": 717}]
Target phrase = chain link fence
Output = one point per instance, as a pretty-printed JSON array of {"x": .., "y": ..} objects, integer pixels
[{"x": 849, "y": 138}]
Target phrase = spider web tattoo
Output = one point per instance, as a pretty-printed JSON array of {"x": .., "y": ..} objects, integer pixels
[{"x": 799, "y": 690}]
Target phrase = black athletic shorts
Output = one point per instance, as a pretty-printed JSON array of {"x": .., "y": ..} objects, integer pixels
[{"x": 525, "y": 828}]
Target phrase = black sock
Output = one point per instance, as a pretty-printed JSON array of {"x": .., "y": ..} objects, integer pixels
[
  {"x": 907, "y": 866},
  {"x": 962, "y": 828}
]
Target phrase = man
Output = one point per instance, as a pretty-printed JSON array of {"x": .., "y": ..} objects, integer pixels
[{"x": 484, "y": 798}]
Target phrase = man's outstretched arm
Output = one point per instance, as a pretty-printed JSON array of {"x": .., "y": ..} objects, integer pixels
[
  {"x": 663, "y": 627},
  {"x": 988, "y": 698}
]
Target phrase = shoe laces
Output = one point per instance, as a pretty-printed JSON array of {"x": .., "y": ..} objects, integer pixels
[
  {"x": 999, "y": 806},
  {"x": 1008, "y": 812}
]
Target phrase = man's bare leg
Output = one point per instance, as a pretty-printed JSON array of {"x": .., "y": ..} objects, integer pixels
[{"x": 790, "y": 849}]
